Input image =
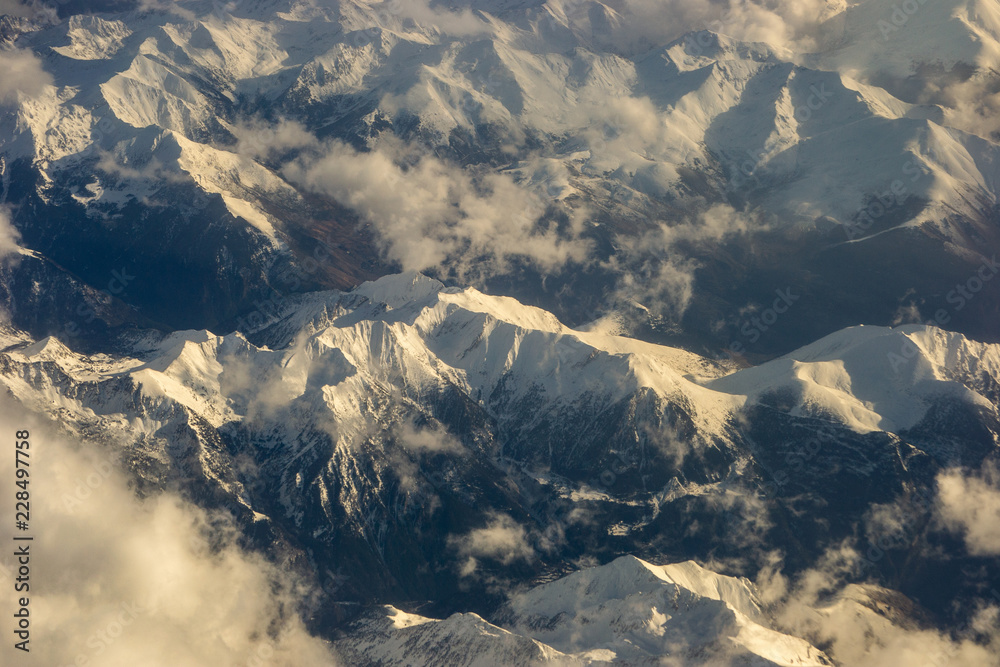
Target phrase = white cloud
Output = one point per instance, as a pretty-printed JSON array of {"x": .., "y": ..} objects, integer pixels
[
  {"x": 863, "y": 639},
  {"x": 169, "y": 7},
  {"x": 771, "y": 582},
  {"x": 821, "y": 607},
  {"x": 38, "y": 10},
  {"x": 121, "y": 581},
  {"x": 22, "y": 73},
  {"x": 970, "y": 505},
  {"x": 654, "y": 272},
  {"x": 432, "y": 439},
  {"x": 459, "y": 22},
  {"x": 502, "y": 539},
  {"x": 624, "y": 132},
  {"x": 259, "y": 139},
  {"x": 428, "y": 214},
  {"x": 153, "y": 170},
  {"x": 9, "y": 236},
  {"x": 972, "y": 105},
  {"x": 15, "y": 8},
  {"x": 644, "y": 23}
]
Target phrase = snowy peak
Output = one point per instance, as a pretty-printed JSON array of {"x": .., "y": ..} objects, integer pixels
[
  {"x": 659, "y": 132},
  {"x": 410, "y": 331},
  {"x": 93, "y": 38},
  {"x": 401, "y": 289},
  {"x": 220, "y": 166},
  {"x": 874, "y": 378},
  {"x": 627, "y": 612},
  {"x": 374, "y": 410},
  {"x": 394, "y": 638},
  {"x": 888, "y": 37},
  {"x": 630, "y": 611},
  {"x": 630, "y": 576},
  {"x": 739, "y": 594}
]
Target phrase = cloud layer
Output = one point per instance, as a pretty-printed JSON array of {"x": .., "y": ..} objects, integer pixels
[
  {"x": 22, "y": 73},
  {"x": 119, "y": 581},
  {"x": 970, "y": 505},
  {"x": 429, "y": 214},
  {"x": 639, "y": 24},
  {"x": 823, "y": 609},
  {"x": 502, "y": 539},
  {"x": 9, "y": 236}
]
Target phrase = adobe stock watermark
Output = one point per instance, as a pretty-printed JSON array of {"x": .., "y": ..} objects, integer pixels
[
  {"x": 84, "y": 487},
  {"x": 900, "y": 16},
  {"x": 959, "y": 297},
  {"x": 762, "y": 322},
  {"x": 877, "y": 205},
  {"x": 950, "y": 652},
  {"x": 921, "y": 505},
  {"x": 797, "y": 459},
  {"x": 104, "y": 638},
  {"x": 621, "y": 465},
  {"x": 746, "y": 165},
  {"x": 116, "y": 287}
]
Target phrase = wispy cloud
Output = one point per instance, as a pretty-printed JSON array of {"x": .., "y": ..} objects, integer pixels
[
  {"x": 502, "y": 539},
  {"x": 655, "y": 271},
  {"x": 258, "y": 139},
  {"x": 428, "y": 214},
  {"x": 821, "y": 606},
  {"x": 9, "y": 236},
  {"x": 22, "y": 74},
  {"x": 969, "y": 504},
  {"x": 120, "y": 580}
]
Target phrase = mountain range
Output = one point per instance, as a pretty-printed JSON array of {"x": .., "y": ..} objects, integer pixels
[{"x": 530, "y": 331}]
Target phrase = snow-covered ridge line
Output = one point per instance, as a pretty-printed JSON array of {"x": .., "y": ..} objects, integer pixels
[
  {"x": 628, "y": 612},
  {"x": 695, "y": 85},
  {"x": 412, "y": 330},
  {"x": 252, "y": 124},
  {"x": 370, "y": 412}
]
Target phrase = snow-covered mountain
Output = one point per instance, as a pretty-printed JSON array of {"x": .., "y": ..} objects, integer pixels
[
  {"x": 469, "y": 312},
  {"x": 627, "y": 612},
  {"x": 632, "y": 612},
  {"x": 431, "y": 445},
  {"x": 823, "y": 154}
]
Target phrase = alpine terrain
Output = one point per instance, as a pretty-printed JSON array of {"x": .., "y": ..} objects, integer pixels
[{"x": 510, "y": 332}]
